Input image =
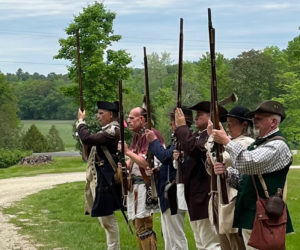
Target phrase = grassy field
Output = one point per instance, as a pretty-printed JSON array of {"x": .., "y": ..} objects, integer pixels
[
  {"x": 64, "y": 128},
  {"x": 296, "y": 158},
  {"x": 55, "y": 218},
  {"x": 59, "y": 165}
]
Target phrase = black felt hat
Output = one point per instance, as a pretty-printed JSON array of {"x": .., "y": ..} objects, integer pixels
[
  {"x": 110, "y": 106},
  {"x": 271, "y": 107},
  {"x": 240, "y": 113},
  {"x": 205, "y": 106}
]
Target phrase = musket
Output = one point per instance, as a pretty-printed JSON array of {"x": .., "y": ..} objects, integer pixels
[
  {"x": 150, "y": 157},
  {"x": 179, "y": 177},
  {"x": 121, "y": 153},
  {"x": 84, "y": 147},
  {"x": 214, "y": 112}
]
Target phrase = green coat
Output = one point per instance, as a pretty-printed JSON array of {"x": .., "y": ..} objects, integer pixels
[{"x": 245, "y": 206}]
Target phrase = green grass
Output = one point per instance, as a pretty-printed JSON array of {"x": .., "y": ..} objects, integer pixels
[
  {"x": 59, "y": 165},
  {"x": 55, "y": 218},
  {"x": 296, "y": 158},
  {"x": 64, "y": 128}
]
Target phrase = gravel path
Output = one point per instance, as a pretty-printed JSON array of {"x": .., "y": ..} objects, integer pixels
[{"x": 14, "y": 189}]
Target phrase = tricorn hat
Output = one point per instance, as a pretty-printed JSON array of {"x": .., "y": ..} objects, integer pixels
[
  {"x": 240, "y": 113},
  {"x": 110, "y": 106},
  {"x": 205, "y": 106},
  {"x": 272, "y": 107}
]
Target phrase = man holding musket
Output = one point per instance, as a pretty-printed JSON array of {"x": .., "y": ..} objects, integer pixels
[
  {"x": 268, "y": 155},
  {"x": 102, "y": 193},
  {"x": 139, "y": 208},
  {"x": 196, "y": 179}
]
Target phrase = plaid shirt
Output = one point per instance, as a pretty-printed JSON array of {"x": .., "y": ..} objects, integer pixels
[{"x": 266, "y": 158}]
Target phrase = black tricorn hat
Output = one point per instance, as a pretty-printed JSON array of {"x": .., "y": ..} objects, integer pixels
[
  {"x": 272, "y": 107},
  {"x": 110, "y": 106},
  {"x": 205, "y": 106},
  {"x": 188, "y": 114},
  {"x": 240, "y": 113}
]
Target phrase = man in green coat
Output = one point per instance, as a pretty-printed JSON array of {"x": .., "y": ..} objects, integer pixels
[{"x": 268, "y": 155}]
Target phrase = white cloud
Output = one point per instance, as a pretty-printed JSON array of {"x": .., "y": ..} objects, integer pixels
[{"x": 276, "y": 6}]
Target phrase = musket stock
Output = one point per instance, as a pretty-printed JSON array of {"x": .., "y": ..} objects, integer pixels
[
  {"x": 215, "y": 112},
  {"x": 84, "y": 147}
]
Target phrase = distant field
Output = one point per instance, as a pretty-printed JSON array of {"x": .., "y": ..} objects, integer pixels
[{"x": 64, "y": 128}]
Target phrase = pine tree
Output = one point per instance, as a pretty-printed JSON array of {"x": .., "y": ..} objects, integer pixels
[
  {"x": 54, "y": 141},
  {"x": 34, "y": 140}
]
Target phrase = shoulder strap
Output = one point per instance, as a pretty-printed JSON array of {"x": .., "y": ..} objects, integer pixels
[
  {"x": 109, "y": 158},
  {"x": 277, "y": 137},
  {"x": 262, "y": 181}
]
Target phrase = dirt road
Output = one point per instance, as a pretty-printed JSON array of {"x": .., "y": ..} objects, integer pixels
[{"x": 14, "y": 189}]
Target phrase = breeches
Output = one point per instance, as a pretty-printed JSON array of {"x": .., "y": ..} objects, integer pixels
[{"x": 110, "y": 226}]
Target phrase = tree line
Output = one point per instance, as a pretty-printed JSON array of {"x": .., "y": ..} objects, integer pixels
[{"x": 254, "y": 75}]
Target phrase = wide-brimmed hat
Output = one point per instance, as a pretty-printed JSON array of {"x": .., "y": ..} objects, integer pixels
[
  {"x": 205, "y": 106},
  {"x": 272, "y": 107},
  {"x": 188, "y": 114},
  {"x": 240, "y": 113},
  {"x": 110, "y": 106}
]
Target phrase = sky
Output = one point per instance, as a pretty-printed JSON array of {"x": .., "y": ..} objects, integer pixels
[{"x": 30, "y": 29}]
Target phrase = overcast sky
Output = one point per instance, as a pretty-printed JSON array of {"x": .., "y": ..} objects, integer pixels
[{"x": 30, "y": 29}]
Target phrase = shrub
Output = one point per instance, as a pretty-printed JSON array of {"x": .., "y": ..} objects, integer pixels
[
  {"x": 34, "y": 140},
  {"x": 11, "y": 157},
  {"x": 55, "y": 143}
]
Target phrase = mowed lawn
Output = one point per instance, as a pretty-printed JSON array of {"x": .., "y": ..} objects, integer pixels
[
  {"x": 64, "y": 128},
  {"x": 55, "y": 218}
]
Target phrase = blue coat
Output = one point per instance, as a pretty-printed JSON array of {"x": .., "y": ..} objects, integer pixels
[{"x": 165, "y": 156}]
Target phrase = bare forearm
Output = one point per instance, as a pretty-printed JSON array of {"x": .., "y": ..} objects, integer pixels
[{"x": 138, "y": 159}]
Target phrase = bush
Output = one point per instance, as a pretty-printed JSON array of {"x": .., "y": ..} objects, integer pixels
[
  {"x": 55, "y": 143},
  {"x": 34, "y": 140},
  {"x": 11, "y": 157}
]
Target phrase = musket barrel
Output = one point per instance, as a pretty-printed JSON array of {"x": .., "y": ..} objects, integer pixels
[
  {"x": 148, "y": 106},
  {"x": 79, "y": 70},
  {"x": 180, "y": 64},
  {"x": 215, "y": 111},
  {"x": 124, "y": 181}
]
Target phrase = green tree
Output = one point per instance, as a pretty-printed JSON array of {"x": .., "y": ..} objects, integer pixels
[
  {"x": 255, "y": 78},
  {"x": 293, "y": 55},
  {"x": 101, "y": 67},
  {"x": 42, "y": 99},
  {"x": 290, "y": 99},
  {"x": 55, "y": 143},
  {"x": 34, "y": 140},
  {"x": 9, "y": 120}
]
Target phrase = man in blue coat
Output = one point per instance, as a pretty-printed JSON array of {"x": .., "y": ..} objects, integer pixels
[{"x": 172, "y": 220}]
